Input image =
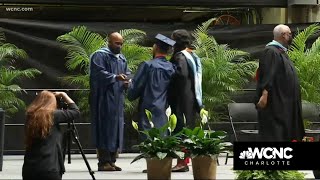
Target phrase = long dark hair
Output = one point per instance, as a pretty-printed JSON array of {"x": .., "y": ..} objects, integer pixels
[
  {"x": 182, "y": 38},
  {"x": 39, "y": 117}
]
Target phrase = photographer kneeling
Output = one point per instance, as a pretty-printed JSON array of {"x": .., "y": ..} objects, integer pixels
[{"x": 43, "y": 139}]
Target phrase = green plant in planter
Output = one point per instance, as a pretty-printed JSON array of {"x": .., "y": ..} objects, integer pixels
[
  {"x": 307, "y": 62},
  {"x": 10, "y": 76},
  {"x": 204, "y": 142},
  {"x": 199, "y": 142},
  {"x": 225, "y": 70},
  {"x": 268, "y": 174},
  {"x": 157, "y": 145},
  {"x": 204, "y": 147}
]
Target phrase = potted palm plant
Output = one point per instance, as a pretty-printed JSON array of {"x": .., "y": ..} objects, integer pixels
[
  {"x": 307, "y": 60},
  {"x": 9, "y": 75},
  {"x": 225, "y": 70},
  {"x": 204, "y": 147},
  {"x": 158, "y": 148}
]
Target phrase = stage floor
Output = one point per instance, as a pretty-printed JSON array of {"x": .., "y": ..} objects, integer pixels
[{"x": 12, "y": 167}]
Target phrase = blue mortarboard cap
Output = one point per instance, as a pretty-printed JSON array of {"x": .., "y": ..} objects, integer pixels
[{"x": 165, "y": 39}]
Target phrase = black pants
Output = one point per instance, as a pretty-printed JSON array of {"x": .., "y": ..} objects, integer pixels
[
  {"x": 46, "y": 176},
  {"x": 106, "y": 156}
]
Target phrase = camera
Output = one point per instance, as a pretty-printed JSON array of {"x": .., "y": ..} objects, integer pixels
[{"x": 61, "y": 104}]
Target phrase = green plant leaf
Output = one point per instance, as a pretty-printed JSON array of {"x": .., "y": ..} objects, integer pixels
[
  {"x": 268, "y": 174},
  {"x": 172, "y": 122},
  {"x": 135, "y": 125},
  {"x": 196, "y": 131},
  {"x": 138, "y": 157},
  {"x": 149, "y": 114},
  {"x": 306, "y": 61},
  {"x": 218, "y": 133},
  {"x": 187, "y": 132},
  {"x": 225, "y": 70},
  {"x": 10, "y": 76},
  {"x": 145, "y": 132},
  {"x": 132, "y": 36},
  {"x": 164, "y": 128},
  {"x": 161, "y": 155},
  {"x": 80, "y": 43},
  {"x": 201, "y": 134},
  {"x": 154, "y": 133}
]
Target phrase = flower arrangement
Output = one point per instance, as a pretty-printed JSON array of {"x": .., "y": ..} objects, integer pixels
[
  {"x": 199, "y": 142},
  {"x": 157, "y": 144}
]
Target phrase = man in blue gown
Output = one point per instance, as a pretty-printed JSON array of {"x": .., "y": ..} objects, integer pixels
[
  {"x": 108, "y": 70},
  {"x": 150, "y": 84}
]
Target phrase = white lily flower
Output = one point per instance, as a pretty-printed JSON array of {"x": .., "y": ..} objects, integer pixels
[
  {"x": 204, "y": 119},
  {"x": 151, "y": 124},
  {"x": 168, "y": 112},
  {"x": 203, "y": 112},
  {"x": 184, "y": 119}
]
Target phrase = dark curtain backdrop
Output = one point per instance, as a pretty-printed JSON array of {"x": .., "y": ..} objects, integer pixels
[
  {"x": 197, "y": 3},
  {"x": 38, "y": 39}
]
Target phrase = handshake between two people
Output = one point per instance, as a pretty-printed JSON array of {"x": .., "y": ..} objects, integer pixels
[{"x": 124, "y": 78}]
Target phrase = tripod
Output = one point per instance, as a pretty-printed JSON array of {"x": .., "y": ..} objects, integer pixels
[{"x": 72, "y": 131}]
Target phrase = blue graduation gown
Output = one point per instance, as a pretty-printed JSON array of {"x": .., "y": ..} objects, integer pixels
[
  {"x": 150, "y": 83},
  {"x": 107, "y": 99}
]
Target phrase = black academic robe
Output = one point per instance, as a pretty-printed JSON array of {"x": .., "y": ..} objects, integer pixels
[
  {"x": 281, "y": 119},
  {"x": 107, "y": 99},
  {"x": 150, "y": 84},
  {"x": 182, "y": 98}
]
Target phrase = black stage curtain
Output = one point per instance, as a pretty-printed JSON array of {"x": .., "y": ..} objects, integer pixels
[{"x": 210, "y": 3}]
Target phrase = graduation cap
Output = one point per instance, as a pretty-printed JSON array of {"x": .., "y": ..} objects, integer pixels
[{"x": 165, "y": 39}]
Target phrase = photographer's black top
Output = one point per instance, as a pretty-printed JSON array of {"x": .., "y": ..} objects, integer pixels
[{"x": 46, "y": 155}]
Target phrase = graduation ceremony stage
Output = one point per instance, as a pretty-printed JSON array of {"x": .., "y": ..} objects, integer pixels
[
  {"x": 38, "y": 38},
  {"x": 37, "y": 29}
]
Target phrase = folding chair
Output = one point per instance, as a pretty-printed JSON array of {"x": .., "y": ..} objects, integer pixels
[
  {"x": 244, "y": 116},
  {"x": 310, "y": 112}
]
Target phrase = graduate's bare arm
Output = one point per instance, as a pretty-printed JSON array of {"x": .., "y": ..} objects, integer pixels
[{"x": 263, "y": 99}]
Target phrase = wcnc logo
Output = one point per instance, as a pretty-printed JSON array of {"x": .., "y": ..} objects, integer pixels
[
  {"x": 267, "y": 153},
  {"x": 274, "y": 156}
]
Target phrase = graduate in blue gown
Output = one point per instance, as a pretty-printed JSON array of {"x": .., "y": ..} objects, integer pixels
[
  {"x": 150, "y": 84},
  {"x": 108, "y": 70}
]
